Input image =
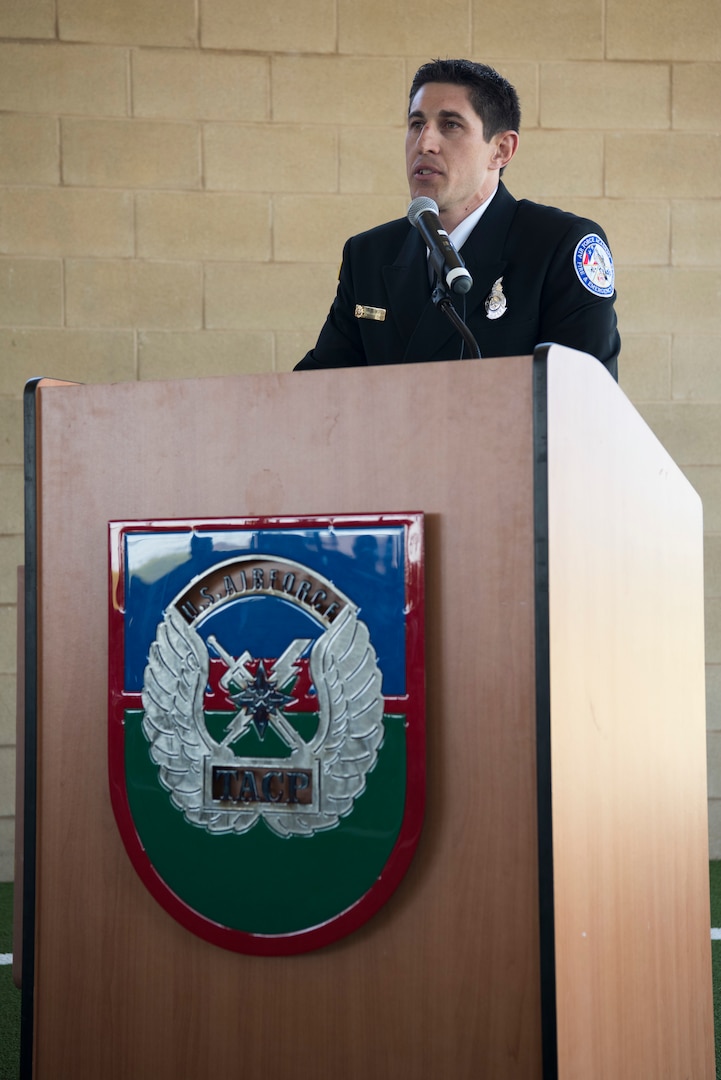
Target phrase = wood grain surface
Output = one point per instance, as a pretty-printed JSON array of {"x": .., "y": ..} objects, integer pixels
[
  {"x": 632, "y": 918},
  {"x": 444, "y": 980}
]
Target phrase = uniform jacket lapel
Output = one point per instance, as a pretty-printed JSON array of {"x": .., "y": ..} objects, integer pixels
[{"x": 409, "y": 290}]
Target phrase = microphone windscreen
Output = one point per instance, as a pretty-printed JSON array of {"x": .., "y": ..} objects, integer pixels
[{"x": 420, "y": 206}]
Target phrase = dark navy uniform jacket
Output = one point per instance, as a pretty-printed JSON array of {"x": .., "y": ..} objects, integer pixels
[{"x": 383, "y": 312}]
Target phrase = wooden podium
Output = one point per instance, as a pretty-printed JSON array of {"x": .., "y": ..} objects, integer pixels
[{"x": 555, "y": 919}]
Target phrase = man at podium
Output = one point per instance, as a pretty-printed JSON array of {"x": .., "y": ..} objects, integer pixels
[{"x": 516, "y": 273}]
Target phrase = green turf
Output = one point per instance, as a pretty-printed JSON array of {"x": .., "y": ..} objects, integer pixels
[
  {"x": 715, "y": 879},
  {"x": 9, "y": 994}
]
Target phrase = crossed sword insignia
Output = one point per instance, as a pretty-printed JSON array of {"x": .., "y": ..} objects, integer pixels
[{"x": 261, "y": 696}]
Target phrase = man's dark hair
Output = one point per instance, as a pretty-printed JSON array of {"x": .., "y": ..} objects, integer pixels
[{"x": 492, "y": 96}]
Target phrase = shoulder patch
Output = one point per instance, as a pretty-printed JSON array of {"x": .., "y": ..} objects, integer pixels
[{"x": 593, "y": 263}]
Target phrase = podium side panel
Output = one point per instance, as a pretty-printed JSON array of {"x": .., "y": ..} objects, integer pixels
[
  {"x": 444, "y": 980},
  {"x": 633, "y": 968},
  {"x": 19, "y": 868}
]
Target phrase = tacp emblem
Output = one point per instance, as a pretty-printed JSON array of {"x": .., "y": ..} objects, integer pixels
[
  {"x": 266, "y": 688},
  {"x": 319, "y": 780}
]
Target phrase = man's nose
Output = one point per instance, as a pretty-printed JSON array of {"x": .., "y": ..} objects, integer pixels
[{"x": 428, "y": 140}]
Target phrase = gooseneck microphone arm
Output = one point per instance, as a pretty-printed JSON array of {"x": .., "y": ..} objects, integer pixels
[{"x": 442, "y": 299}]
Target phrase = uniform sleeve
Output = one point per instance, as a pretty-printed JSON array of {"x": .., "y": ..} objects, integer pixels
[
  {"x": 339, "y": 343},
  {"x": 578, "y": 299}
]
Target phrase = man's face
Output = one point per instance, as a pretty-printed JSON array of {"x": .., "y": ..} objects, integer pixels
[{"x": 447, "y": 157}]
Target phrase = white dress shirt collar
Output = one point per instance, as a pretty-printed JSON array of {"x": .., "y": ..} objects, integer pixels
[{"x": 461, "y": 232}]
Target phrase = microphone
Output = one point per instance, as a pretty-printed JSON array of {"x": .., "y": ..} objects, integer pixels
[{"x": 447, "y": 263}]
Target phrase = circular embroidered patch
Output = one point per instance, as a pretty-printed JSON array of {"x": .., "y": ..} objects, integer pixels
[{"x": 593, "y": 263}]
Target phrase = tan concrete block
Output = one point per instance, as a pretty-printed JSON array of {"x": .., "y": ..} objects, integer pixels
[
  {"x": 63, "y": 79},
  {"x": 270, "y": 157},
  {"x": 668, "y": 165},
  {"x": 30, "y": 292},
  {"x": 644, "y": 367},
  {"x": 173, "y": 84},
  {"x": 658, "y": 300},
  {"x": 696, "y": 99},
  {"x": 314, "y": 229},
  {"x": 713, "y": 697},
  {"x": 376, "y": 28},
  {"x": 566, "y": 30},
  {"x": 134, "y": 22},
  {"x": 713, "y": 763},
  {"x": 714, "y": 835},
  {"x": 706, "y": 479},
  {"x": 680, "y": 30},
  {"x": 65, "y": 221},
  {"x": 713, "y": 630},
  {"x": 19, "y": 19},
  {"x": 291, "y": 346},
  {"x": 8, "y": 710},
  {"x": 338, "y": 90},
  {"x": 12, "y": 486},
  {"x": 130, "y": 153},
  {"x": 29, "y": 152},
  {"x": 7, "y": 781},
  {"x": 638, "y": 230},
  {"x": 196, "y": 355},
  {"x": 410, "y": 67},
  {"x": 84, "y": 356},
  {"x": 553, "y": 165},
  {"x": 695, "y": 305},
  {"x": 7, "y": 849},
  {"x": 8, "y": 640},
  {"x": 372, "y": 161},
  {"x": 203, "y": 226},
  {"x": 696, "y": 227},
  {"x": 690, "y": 433},
  {"x": 303, "y": 26},
  {"x": 11, "y": 436},
  {"x": 644, "y": 300},
  {"x": 12, "y": 555},
  {"x": 524, "y": 77},
  {"x": 130, "y": 293},
  {"x": 712, "y": 565},
  {"x": 602, "y": 95},
  {"x": 696, "y": 368},
  {"x": 272, "y": 296}
]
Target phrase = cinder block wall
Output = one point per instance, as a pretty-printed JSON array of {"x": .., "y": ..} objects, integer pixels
[{"x": 177, "y": 178}]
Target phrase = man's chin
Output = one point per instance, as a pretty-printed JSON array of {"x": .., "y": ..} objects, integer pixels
[{"x": 429, "y": 190}]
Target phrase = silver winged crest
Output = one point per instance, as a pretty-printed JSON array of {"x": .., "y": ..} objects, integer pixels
[{"x": 342, "y": 752}]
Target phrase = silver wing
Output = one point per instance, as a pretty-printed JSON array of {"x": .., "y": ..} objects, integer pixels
[
  {"x": 347, "y": 679},
  {"x": 175, "y": 679}
]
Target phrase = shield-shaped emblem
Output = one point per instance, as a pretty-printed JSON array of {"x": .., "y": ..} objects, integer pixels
[{"x": 266, "y": 720}]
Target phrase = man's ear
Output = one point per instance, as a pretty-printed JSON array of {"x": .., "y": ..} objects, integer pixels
[{"x": 506, "y": 144}]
